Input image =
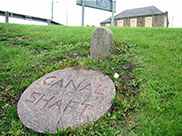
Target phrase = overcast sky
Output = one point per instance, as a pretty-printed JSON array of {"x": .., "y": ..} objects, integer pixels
[{"x": 42, "y": 8}]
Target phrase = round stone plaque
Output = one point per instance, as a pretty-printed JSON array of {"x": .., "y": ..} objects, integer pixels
[{"x": 65, "y": 98}]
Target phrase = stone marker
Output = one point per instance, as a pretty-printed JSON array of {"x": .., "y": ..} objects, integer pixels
[
  {"x": 65, "y": 98},
  {"x": 102, "y": 43}
]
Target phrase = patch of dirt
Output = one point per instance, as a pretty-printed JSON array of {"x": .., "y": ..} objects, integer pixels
[
  {"x": 129, "y": 88},
  {"x": 27, "y": 38}
]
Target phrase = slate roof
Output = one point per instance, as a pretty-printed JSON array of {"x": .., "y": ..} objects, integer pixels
[{"x": 151, "y": 10}]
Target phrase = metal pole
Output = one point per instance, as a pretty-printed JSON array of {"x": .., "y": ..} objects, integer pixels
[
  {"x": 6, "y": 17},
  {"x": 83, "y": 12},
  {"x": 66, "y": 13},
  {"x": 112, "y": 20},
  {"x": 52, "y": 9}
]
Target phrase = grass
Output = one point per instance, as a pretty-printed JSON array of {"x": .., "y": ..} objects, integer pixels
[{"x": 149, "y": 61}]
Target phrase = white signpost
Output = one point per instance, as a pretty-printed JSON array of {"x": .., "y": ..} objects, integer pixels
[{"x": 107, "y": 5}]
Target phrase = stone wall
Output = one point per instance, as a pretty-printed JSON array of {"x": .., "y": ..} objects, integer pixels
[
  {"x": 126, "y": 22},
  {"x": 141, "y": 22},
  {"x": 157, "y": 21}
]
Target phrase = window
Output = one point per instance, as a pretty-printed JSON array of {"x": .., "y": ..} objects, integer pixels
[
  {"x": 165, "y": 21},
  {"x": 133, "y": 22},
  {"x": 108, "y": 24},
  {"x": 148, "y": 22},
  {"x": 120, "y": 23}
]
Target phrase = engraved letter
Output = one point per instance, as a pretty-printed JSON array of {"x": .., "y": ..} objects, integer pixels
[
  {"x": 57, "y": 103},
  {"x": 49, "y": 80},
  {"x": 97, "y": 89},
  {"x": 60, "y": 83},
  {"x": 73, "y": 85},
  {"x": 33, "y": 96},
  {"x": 88, "y": 87},
  {"x": 45, "y": 100},
  {"x": 85, "y": 108}
]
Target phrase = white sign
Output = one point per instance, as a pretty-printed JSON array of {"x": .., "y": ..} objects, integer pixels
[{"x": 98, "y": 4}]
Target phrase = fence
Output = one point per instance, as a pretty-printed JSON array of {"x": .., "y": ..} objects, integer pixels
[{"x": 7, "y": 14}]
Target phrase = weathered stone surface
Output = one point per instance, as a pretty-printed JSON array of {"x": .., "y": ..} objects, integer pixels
[
  {"x": 102, "y": 43},
  {"x": 65, "y": 98}
]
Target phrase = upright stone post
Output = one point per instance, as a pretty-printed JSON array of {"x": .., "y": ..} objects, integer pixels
[
  {"x": 6, "y": 17},
  {"x": 102, "y": 43}
]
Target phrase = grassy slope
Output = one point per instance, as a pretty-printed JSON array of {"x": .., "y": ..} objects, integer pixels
[
  {"x": 28, "y": 52},
  {"x": 159, "y": 52}
]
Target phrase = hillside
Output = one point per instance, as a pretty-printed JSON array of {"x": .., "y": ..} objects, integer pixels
[{"x": 148, "y": 60}]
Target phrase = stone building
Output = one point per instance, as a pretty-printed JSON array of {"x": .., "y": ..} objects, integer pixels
[{"x": 139, "y": 17}]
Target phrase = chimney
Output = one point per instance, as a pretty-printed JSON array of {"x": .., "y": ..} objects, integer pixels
[{"x": 166, "y": 13}]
